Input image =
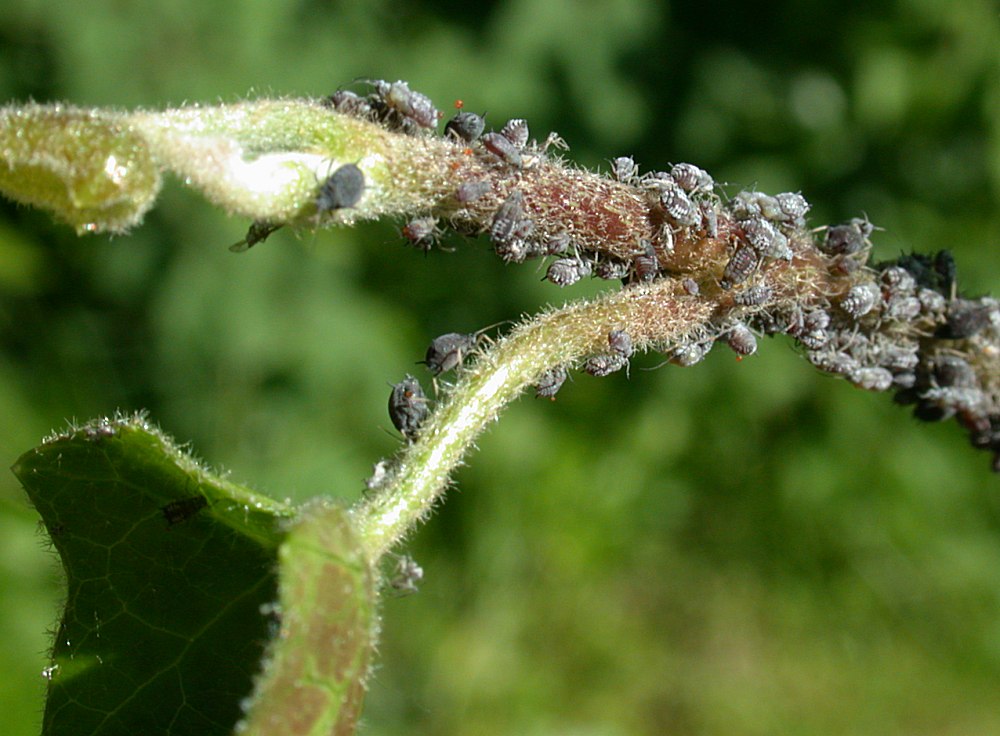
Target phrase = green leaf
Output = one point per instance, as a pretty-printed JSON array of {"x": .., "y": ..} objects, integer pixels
[{"x": 171, "y": 574}]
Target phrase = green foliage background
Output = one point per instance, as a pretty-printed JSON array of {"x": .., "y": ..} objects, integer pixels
[{"x": 736, "y": 548}]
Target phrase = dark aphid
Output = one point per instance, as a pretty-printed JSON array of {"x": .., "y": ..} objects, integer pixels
[
  {"x": 951, "y": 371},
  {"x": 347, "y": 102},
  {"x": 692, "y": 179},
  {"x": 966, "y": 318},
  {"x": 611, "y": 270},
  {"x": 646, "y": 265},
  {"x": 624, "y": 169},
  {"x": 470, "y": 191},
  {"x": 679, "y": 207},
  {"x": 741, "y": 265},
  {"x": 871, "y": 378},
  {"x": 465, "y": 126},
  {"x": 449, "y": 350},
  {"x": 550, "y": 382},
  {"x": 566, "y": 271},
  {"x": 691, "y": 286},
  {"x": 183, "y": 509},
  {"x": 408, "y": 407},
  {"x": 847, "y": 238},
  {"x": 343, "y": 188},
  {"x": 421, "y": 232},
  {"x": 258, "y": 232},
  {"x": 741, "y": 339},
  {"x": 604, "y": 365},
  {"x": 502, "y": 148},
  {"x": 860, "y": 300},
  {"x": 932, "y": 272},
  {"x": 766, "y": 239},
  {"x": 407, "y": 575},
  {"x": 412, "y": 105},
  {"x": 508, "y": 218},
  {"x": 754, "y": 296},
  {"x": 516, "y": 131},
  {"x": 793, "y": 206},
  {"x": 621, "y": 343}
]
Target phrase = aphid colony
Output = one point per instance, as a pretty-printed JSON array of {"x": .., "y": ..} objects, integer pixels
[{"x": 873, "y": 332}]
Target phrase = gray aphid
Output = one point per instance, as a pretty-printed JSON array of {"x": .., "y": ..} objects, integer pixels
[{"x": 408, "y": 407}]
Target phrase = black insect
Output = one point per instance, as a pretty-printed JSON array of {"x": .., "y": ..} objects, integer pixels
[
  {"x": 501, "y": 147},
  {"x": 349, "y": 103},
  {"x": 183, "y": 509},
  {"x": 258, "y": 232},
  {"x": 550, "y": 382},
  {"x": 449, "y": 351},
  {"x": 516, "y": 131},
  {"x": 740, "y": 266},
  {"x": 604, "y": 365},
  {"x": 465, "y": 126},
  {"x": 847, "y": 238},
  {"x": 646, "y": 264},
  {"x": 408, "y": 407},
  {"x": 343, "y": 188}
]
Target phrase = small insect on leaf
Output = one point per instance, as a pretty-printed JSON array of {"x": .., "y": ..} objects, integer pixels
[
  {"x": 550, "y": 382},
  {"x": 342, "y": 189},
  {"x": 465, "y": 126},
  {"x": 259, "y": 232},
  {"x": 183, "y": 509},
  {"x": 408, "y": 407}
]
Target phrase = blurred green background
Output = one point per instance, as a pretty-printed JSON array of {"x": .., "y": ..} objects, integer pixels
[{"x": 736, "y": 548}]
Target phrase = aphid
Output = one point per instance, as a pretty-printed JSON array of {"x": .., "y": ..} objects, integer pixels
[
  {"x": 567, "y": 271},
  {"x": 898, "y": 279},
  {"x": 516, "y": 131},
  {"x": 611, "y": 270},
  {"x": 347, "y": 102},
  {"x": 449, "y": 350},
  {"x": 902, "y": 308},
  {"x": 931, "y": 301},
  {"x": 621, "y": 343},
  {"x": 550, "y": 382},
  {"x": 509, "y": 218},
  {"x": 871, "y": 378},
  {"x": 966, "y": 318},
  {"x": 343, "y": 188},
  {"x": 679, "y": 207},
  {"x": 688, "y": 355},
  {"x": 898, "y": 358},
  {"x": 692, "y": 179},
  {"x": 604, "y": 365},
  {"x": 183, "y": 509},
  {"x": 646, "y": 264},
  {"x": 835, "y": 362},
  {"x": 408, "y": 407},
  {"x": 411, "y": 105},
  {"x": 421, "y": 232},
  {"x": 465, "y": 126},
  {"x": 753, "y": 296},
  {"x": 741, "y": 265},
  {"x": 741, "y": 339},
  {"x": 406, "y": 575},
  {"x": 766, "y": 239},
  {"x": 624, "y": 169},
  {"x": 691, "y": 286},
  {"x": 258, "y": 232},
  {"x": 904, "y": 380},
  {"x": 793, "y": 206},
  {"x": 470, "y": 191},
  {"x": 709, "y": 218},
  {"x": 860, "y": 300},
  {"x": 557, "y": 244},
  {"x": 847, "y": 238},
  {"x": 746, "y": 204},
  {"x": 952, "y": 371},
  {"x": 502, "y": 148}
]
